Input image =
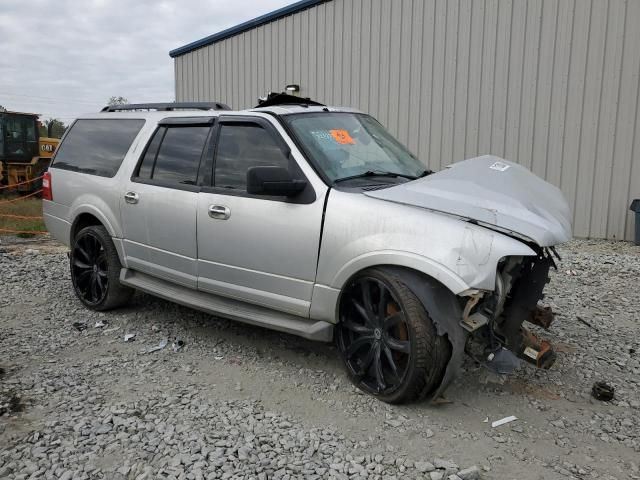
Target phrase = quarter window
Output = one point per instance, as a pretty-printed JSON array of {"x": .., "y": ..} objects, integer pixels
[
  {"x": 97, "y": 146},
  {"x": 241, "y": 146},
  {"x": 146, "y": 166}
]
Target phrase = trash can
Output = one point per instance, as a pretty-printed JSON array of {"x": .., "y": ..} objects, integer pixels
[{"x": 635, "y": 206}]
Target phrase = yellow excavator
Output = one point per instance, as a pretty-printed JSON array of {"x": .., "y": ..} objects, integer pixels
[{"x": 24, "y": 154}]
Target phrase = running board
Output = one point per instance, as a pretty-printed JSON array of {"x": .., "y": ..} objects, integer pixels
[{"x": 227, "y": 307}]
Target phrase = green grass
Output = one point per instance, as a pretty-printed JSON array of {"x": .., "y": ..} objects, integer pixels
[{"x": 29, "y": 207}]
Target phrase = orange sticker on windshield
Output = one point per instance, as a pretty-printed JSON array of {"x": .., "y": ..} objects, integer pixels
[{"x": 342, "y": 137}]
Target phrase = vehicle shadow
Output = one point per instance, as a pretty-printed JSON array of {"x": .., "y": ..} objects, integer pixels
[
  {"x": 207, "y": 329},
  {"x": 270, "y": 349}
]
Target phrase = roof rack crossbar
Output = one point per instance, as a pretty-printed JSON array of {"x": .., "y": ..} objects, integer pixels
[{"x": 169, "y": 106}]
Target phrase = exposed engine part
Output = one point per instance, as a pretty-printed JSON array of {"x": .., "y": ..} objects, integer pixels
[
  {"x": 522, "y": 299},
  {"x": 495, "y": 321},
  {"x": 474, "y": 322},
  {"x": 472, "y": 302},
  {"x": 542, "y": 316},
  {"x": 536, "y": 350}
]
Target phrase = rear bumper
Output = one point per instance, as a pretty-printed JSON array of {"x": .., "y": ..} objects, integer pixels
[{"x": 59, "y": 228}]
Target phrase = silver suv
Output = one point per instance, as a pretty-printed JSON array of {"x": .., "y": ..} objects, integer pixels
[{"x": 315, "y": 221}]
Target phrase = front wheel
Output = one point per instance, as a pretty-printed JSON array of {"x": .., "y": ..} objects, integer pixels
[
  {"x": 387, "y": 340},
  {"x": 95, "y": 270}
]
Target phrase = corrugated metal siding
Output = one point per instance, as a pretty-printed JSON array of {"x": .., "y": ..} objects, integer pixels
[{"x": 551, "y": 84}]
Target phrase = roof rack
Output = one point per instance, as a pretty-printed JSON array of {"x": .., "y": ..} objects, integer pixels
[
  {"x": 163, "y": 107},
  {"x": 274, "y": 98}
]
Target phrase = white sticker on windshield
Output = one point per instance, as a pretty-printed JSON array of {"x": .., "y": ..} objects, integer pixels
[
  {"x": 324, "y": 138},
  {"x": 501, "y": 167}
]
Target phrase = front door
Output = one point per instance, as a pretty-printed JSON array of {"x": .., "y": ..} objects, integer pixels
[
  {"x": 159, "y": 205},
  {"x": 259, "y": 249}
]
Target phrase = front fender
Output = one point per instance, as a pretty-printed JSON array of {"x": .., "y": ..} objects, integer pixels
[
  {"x": 400, "y": 259},
  {"x": 361, "y": 232}
]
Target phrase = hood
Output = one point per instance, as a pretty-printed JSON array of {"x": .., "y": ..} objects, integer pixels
[{"x": 493, "y": 192}]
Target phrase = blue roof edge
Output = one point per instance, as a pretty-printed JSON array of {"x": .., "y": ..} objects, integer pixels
[{"x": 248, "y": 25}]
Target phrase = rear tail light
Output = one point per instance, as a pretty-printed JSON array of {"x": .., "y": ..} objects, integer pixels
[{"x": 47, "y": 193}]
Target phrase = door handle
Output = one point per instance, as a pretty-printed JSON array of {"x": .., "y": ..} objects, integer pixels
[
  {"x": 219, "y": 211},
  {"x": 131, "y": 197}
]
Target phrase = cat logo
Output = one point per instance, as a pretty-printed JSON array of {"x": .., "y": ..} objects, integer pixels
[{"x": 45, "y": 147}]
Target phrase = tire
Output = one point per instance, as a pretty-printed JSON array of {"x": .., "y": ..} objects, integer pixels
[
  {"x": 397, "y": 356},
  {"x": 95, "y": 270}
]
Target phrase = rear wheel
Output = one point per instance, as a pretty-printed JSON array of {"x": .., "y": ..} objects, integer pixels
[
  {"x": 95, "y": 270},
  {"x": 387, "y": 340}
]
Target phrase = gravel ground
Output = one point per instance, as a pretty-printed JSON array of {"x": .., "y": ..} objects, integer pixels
[{"x": 242, "y": 402}]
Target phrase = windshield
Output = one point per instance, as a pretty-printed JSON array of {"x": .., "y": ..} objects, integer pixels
[{"x": 352, "y": 144}]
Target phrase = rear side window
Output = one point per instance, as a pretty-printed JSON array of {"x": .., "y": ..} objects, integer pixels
[
  {"x": 173, "y": 155},
  {"x": 97, "y": 146}
]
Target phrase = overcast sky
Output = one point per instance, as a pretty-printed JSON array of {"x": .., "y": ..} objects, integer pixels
[{"x": 65, "y": 57}]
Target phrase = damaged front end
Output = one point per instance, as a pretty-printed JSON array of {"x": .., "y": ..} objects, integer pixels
[{"x": 495, "y": 319}]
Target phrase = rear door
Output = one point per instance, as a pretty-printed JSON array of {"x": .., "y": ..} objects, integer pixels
[
  {"x": 159, "y": 203},
  {"x": 260, "y": 249}
]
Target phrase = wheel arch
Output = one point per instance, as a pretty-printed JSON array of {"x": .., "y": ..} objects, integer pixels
[
  {"x": 84, "y": 219},
  {"x": 86, "y": 216},
  {"x": 445, "y": 310},
  {"x": 325, "y": 301}
]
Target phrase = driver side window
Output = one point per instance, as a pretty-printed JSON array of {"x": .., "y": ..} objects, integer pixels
[{"x": 241, "y": 146}]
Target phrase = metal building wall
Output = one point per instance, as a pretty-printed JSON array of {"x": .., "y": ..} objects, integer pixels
[{"x": 550, "y": 84}]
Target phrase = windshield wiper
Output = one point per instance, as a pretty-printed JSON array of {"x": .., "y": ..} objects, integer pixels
[{"x": 372, "y": 173}]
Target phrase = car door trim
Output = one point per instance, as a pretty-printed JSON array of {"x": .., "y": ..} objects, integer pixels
[
  {"x": 187, "y": 121},
  {"x": 175, "y": 186}
]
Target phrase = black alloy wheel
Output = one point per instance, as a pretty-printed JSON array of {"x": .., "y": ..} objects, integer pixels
[
  {"x": 89, "y": 269},
  {"x": 95, "y": 270},
  {"x": 373, "y": 336},
  {"x": 388, "y": 342}
]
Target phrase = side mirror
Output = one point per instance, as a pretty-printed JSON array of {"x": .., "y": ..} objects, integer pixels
[{"x": 276, "y": 181}]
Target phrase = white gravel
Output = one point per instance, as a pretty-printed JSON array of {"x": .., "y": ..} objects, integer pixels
[{"x": 243, "y": 402}]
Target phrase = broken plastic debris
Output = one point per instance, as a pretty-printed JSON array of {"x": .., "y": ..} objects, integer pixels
[
  {"x": 487, "y": 376},
  {"x": 531, "y": 353},
  {"x": 602, "y": 391},
  {"x": 100, "y": 324},
  {"x": 79, "y": 326},
  {"x": 582, "y": 320},
  {"x": 163, "y": 343},
  {"x": 502, "y": 361},
  {"x": 502, "y": 421},
  {"x": 129, "y": 337},
  {"x": 177, "y": 345},
  {"x": 441, "y": 401},
  {"x": 486, "y": 420},
  {"x": 219, "y": 357}
]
